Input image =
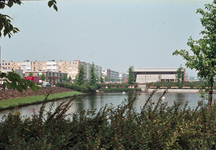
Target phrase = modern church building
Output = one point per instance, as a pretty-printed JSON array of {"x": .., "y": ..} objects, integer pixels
[{"x": 146, "y": 75}]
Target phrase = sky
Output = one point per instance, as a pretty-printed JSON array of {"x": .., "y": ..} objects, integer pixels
[{"x": 114, "y": 34}]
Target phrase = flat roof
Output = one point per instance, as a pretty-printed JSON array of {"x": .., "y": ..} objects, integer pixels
[{"x": 142, "y": 69}]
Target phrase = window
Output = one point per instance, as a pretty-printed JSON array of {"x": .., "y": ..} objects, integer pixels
[
  {"x": 69, "y": 71},
  {"x": 73, "y": 67},
  {"x": 59, "y": 63},
  {"x": 69, "y": 62},
  {"x": 8, "y": 67},
  {"x": 33, "y": 63},
  {"x": 34, "y": 67},
  {"x": 72, "y": 71},
  {"x": 171, "y": 80},
  {"x": 18, "y": 63},
  {"x": 5, "y": 63},
  {"x": 43, "y": 67},
  {"x": 44, "y": 63},
  {"x": 72, "y": 76},
  {"x": 70, "y": 67},
  {"x": 2, "y": 63},
  {"x": 8, "y": 63},
  {"x": 59, "y": 67},
  {"x": 75, "y": 71}
]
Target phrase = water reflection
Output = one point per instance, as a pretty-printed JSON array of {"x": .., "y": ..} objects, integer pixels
[{"x": 96, "y": 101}]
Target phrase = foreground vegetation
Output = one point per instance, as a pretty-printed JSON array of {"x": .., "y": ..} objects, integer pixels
[
  {"x": 156, "y": 126},
  {"x": 10, "y": 103}
]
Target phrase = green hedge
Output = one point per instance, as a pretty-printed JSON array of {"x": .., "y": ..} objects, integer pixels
[
  {"x": 192, "y": 85},
  {"x": 85, "y": 88}
]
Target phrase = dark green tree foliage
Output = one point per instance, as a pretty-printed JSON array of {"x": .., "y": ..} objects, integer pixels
[
  {"x": 42, "y": 77},
  {"x": 92, "y": 76},
  {"x": 64, "y": 78},
  {"x": 14, "y": 81},
  {"x": 69, "y": 79},
  {"x": 203, "y": 59},
  {"x": 130, "y": 75},
  {"x": 101, "y": 80},
  {"x": 5, "y": 21},
  {"x": 179, "y": 74},
  {"x": 80, "y": 76}
]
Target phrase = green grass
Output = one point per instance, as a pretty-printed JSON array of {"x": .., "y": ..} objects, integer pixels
[{"x": 10, "y": 103}]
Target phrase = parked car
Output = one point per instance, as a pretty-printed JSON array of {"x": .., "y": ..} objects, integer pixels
[{"x": 46, "y": 84}]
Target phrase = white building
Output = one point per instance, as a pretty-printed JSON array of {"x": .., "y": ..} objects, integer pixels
[
  {"x": 146, "y": 75},
  {"x": 52, "y": 66}
]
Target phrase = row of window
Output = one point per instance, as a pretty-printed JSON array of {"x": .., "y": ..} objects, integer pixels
[
  {"x": 69, "y": 63},
  {"x": 5, "y": 63},
  {"x": 5, "y": 67},
  {"x": 72, "y": 71},
  {"x": 70, "y": 67},
  {"x": 168, "y": 80}
]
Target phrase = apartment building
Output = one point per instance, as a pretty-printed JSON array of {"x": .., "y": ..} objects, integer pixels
[
  {"x": 52, "y": 77},
  {"x": 123, "y": 75},
  {"x": 110, "y": 74},
  {"x": 69, "y": 67}
]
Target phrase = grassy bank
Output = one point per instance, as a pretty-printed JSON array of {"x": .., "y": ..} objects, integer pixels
[{"x": 10, "y": 103}]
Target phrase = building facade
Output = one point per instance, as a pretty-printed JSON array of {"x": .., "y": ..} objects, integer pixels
[
  {"x": 51, "y": 77},
  {"x": 146, "y": 75},
  {"x": 111, "y": 74},
  {"x": 69, "y": 67}
]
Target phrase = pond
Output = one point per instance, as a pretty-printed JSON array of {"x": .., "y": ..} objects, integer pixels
[{"x": 98, "y": 100}]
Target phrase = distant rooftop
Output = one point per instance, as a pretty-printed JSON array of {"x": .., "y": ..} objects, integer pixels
[{"x": 139, "y": 69}]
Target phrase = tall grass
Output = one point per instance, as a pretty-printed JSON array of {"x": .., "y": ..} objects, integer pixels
[{"x": 156, "y": 126}]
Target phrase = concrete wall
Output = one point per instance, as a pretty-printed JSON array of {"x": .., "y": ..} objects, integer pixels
[{"x": 141, "y": 78}]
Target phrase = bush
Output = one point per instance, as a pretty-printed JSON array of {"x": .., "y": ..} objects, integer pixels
[
  {"x": 155, "y": 126},
  {"x": 85, "y": 88}
]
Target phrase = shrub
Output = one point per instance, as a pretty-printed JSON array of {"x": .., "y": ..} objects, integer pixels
[{"x": 155, "y": 126}]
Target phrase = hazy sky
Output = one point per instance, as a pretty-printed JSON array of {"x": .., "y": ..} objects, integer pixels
[{"x": 111, "y": 33}]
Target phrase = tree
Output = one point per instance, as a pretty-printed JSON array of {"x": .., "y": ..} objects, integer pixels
[
  {"x": 179, "y": 74},
  {"x": 106, "y": 78},
  {"x": 69, "y": 79},
  {"x": 30, "y": 74},
  {"x": 42, "y": 77},
  {"x": 5, "y": 20},
  {"x": 80, "y": 76},
  {"x": 130, "y": 75},
  {"x": 92, "y": 75},
  {"x": 64, "y": 78},
  {"x": 203, "y": 59},
  {"x": 101, "y": 80},
  {"x": 16, "y": 82}
]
